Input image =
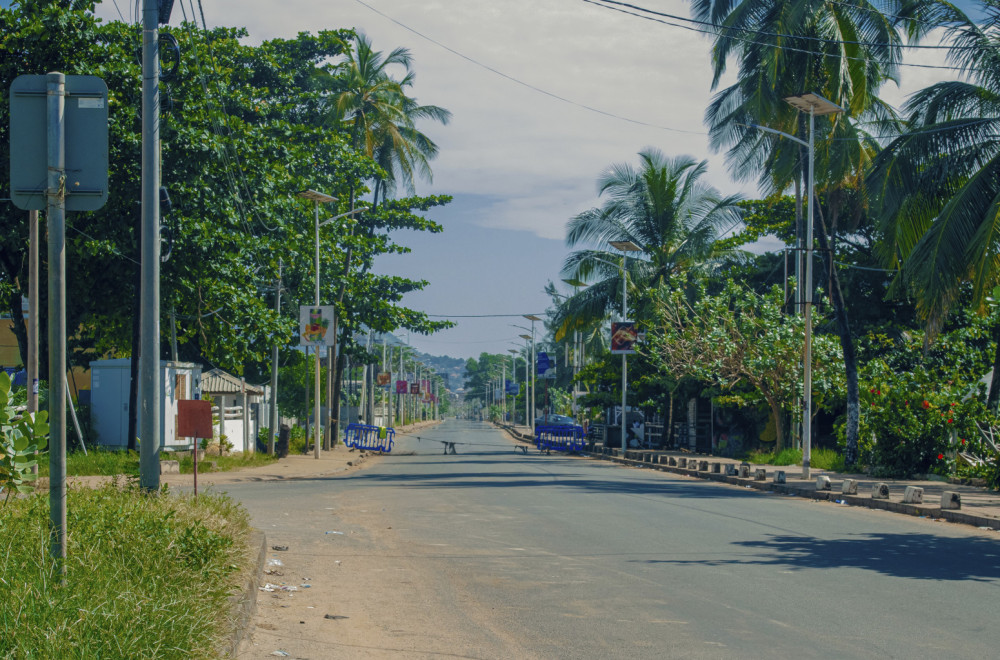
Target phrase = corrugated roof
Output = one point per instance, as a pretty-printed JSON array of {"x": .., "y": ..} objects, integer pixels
[{"x": 218, "y": 381}]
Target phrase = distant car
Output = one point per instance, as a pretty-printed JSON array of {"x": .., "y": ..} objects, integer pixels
[{"x": 554, "y": 420}]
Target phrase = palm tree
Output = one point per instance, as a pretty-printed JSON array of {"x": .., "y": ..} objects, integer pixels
[
  {"x": 937, "y": 187},
  {"x": 664, "y": 208},
  {"x": 844, "y": 51},
  {"x": 381, "y": 119}
]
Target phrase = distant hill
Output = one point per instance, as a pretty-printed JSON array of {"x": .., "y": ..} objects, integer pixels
[{"x": 452, "y": 369}]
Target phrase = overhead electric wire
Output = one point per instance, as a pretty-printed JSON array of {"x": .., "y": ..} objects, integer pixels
[
  {"x": 716, "y": 26},
  {"x": 600, "y": 3},
  {"x": 525, "y": 84}
]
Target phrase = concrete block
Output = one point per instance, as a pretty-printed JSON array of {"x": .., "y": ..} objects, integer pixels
[
  {"x": 716, "y": 468},
  {"x": 760, "y": 474},
  {"x": 822, "y": 482},
  {"x": 951, "y": 500},
  {"x": 744, "y": 470},
  {"x": 880, "y": 491},
  {"x": 849, "y": 487},
  {"x": 913, "y": 495},
  {"x": 779, "y": 477},
  {"x": 682, "y": 462},
  {"x": 702, "y": 466},
  {"x": 170, "y": 467},
  {"x": 730, "y": 470}
]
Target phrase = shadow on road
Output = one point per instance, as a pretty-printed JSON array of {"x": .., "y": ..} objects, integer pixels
[{"x": 911, "y": 556}]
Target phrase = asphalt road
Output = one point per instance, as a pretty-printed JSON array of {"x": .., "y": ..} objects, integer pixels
[{"x": 549, "y": 556}]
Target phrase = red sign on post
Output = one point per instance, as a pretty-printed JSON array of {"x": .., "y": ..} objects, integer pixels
[{"x": 194, "y": 419}]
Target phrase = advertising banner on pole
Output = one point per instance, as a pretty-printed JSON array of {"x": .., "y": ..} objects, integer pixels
[
  {"x": 384, "y": 378},
  {"x": 315, "y": 324},
  {"x": 623, "y": 338},
  {"x": 512, "y": 388},
  {"x": 546, "y": 365},
  {"x": 414, "y": 388},
  {"x": 402, "y": 387}
]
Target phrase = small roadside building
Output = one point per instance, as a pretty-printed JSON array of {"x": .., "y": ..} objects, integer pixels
[
  {"x": 109, "y": 400},
  {"x": 241, "y": 408}
]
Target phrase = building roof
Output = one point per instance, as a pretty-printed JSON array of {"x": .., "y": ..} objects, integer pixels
[{"x": 218, "y": 381}]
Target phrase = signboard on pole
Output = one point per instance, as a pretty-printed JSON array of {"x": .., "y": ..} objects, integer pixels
[
  {"x": 315, "y": 324},
  {"x": 85, "y": 137},
  {"x": 546, "y": 365},
  {"x": 513, "y": 388},
  {"x": 383, "y": 379},
  {"x": 623, "y": 338},
  {"x": 414, "y": 388},
  {"x": 402, "y": 387}
]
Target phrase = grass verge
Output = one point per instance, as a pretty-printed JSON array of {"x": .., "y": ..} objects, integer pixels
[
  {"x": 147, "y": 576},
  {"x": 822, "y": 459},
  {"x": 109, "y": 463}
]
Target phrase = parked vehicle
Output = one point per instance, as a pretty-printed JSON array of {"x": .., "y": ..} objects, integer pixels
[{"x": 554, "y": 420}]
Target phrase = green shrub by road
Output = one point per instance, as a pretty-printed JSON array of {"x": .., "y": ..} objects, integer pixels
[{"x": 147, "y": 576}]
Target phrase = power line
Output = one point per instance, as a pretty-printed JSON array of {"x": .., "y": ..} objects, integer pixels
[
  {"x": 761, "y": 43},
  {"x": 824, "y": 40},
  {"x": 479, "y": 316},
  {"x": 524, "y": 84}
]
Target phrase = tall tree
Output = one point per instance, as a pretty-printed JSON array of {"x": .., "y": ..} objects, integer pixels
[
  {"x": 937, "y": 186},
  {"x": 844, "y": 51}
]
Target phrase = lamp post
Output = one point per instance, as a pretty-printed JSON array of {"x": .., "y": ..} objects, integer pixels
[
  {"x": 577, "y": 352},
  {"x": 513, "y": 374},
  {"x": 534, "y": 374},
  {"x": 625, "y": 247},
  {"x": 529, "y": 360},
  {"x": 317, "y": 198},
  {"x": 815, "y": 105}
]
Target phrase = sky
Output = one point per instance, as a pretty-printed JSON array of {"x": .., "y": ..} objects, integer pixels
[{"x": 545, "y": 95}]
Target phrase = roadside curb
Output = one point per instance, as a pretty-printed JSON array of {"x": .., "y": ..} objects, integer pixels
[
  {"x": 243, "y": 603},
  {"x": 811, "y": 492}
]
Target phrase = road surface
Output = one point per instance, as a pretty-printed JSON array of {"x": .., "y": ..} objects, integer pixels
[{"x": 490, "y": 553}]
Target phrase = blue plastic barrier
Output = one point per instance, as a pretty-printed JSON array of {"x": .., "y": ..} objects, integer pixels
[
  {"x": 560, "y": 438},
  {"x": 365, "y": 436}
]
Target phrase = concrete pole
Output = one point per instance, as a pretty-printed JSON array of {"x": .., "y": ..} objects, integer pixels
[
  {"x": 33, "y": 314},
  {"x": 274, "y": 371},
  {"x": 149, "y": 317},
  {"x": 624, "y": 356},
  {"x": 319, "y": 399},
  {"x": 534, "y": 376},
  {"x": 527, "y": 387},
  {"x": 55, "y": 213},
  {"x": 808, "y": 295}
]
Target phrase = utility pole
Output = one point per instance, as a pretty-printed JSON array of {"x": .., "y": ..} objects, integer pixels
[
  {"x": 149, "y": 324},
  {"x": 55, "y": 213},
  {"x": 33, "y": 315},
  {"x": 274, "y": 369}
]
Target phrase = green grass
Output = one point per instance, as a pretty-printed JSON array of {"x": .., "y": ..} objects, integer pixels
[
  {"x": 822, "y": 459},
  {"x": 146, "y": 575},
  {"x": 109, "y": 463}
]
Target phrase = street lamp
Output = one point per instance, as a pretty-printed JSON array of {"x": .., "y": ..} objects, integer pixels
[
  {"x": 625, "y": 247},
  {"x": 317, "y": 198},
  {"x": 534, "y": 369},
  {"x": 513, "y": 374},
  {"x": 815, "y": 105},
  {"x": 576, "y": 283}
]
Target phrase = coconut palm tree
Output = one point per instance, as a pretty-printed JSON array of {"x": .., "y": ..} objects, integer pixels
[
  {"x": 844, "y": 51},
  {"x": 663, "y": 207},
  {"x": 937, "y": 186}
]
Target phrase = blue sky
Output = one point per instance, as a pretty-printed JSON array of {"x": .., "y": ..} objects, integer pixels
[{"x": 519, "y": 161}]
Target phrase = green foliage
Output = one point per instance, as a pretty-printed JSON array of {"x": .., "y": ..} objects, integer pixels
[
  {"x": 820, "y": 458},
  {"x": 20, "y": 437},
  {"x": 146, "y": 575}
]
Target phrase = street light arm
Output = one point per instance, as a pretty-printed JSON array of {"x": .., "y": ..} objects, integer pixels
[
  {"x": 342, "y": 215},
  {"x": 776, "y": 132}
]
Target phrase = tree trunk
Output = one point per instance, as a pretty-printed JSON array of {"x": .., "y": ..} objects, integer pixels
[
  {"x": 20, "y": 328},
  {"x": 779, "y": 428},
  {"x": 669, "y": 435},
  {"x": 847, "y": 345},
  {"x": 338, "y": 383}
]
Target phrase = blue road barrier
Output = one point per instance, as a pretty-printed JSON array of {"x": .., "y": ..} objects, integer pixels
[
  {"x": 372, "y": 438},
  {"x": 560, "y": 438}
]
